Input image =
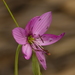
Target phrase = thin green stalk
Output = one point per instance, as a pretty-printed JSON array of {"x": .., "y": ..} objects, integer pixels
[
  {"x": 19, "y": 46},
  {"x": 35, "y": 65},
  {"x": 16, "y": 59},
  {"x": 10, "y": 13}
]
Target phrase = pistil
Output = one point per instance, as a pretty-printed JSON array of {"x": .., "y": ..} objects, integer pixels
[{"x": 30, "y": 39}]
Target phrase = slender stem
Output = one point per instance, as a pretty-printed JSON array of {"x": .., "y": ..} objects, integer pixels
[
  {"x": 10, "y": 13},
  {"x": 16, "y": 59},
  {"x": 35, "y": 65},
  {"x": 18, "y": 48}
]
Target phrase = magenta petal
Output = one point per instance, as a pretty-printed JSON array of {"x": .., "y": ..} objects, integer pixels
[
  {"x": 27, "y": 51},
  {"x": 42, "y": 24},
  {"x": 41, "y": 58},
  {"x": 30, "y": 25},
  {"x": 48, "y": 39},
  {"x": 19, "y": 35}
]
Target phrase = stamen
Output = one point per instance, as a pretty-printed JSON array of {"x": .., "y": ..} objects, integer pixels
[
  {"x": 41, "y": 38},
  {"x": 38, "y": 50},
  {"x": 42, "y": 49},
  {"x": 46, "y": 52},
  {"x": 35, "y": 45}
]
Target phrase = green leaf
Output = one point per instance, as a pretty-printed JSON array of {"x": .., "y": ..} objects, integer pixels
[{"x": 35, "y": 65}]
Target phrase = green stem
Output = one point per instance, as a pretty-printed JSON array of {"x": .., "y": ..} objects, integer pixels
[
  {"x": 10, "y": 13},
  {"x": 16, "y": 59},
  {"x": 35, "y": 65},
  {"x": 18, "y": 48}
]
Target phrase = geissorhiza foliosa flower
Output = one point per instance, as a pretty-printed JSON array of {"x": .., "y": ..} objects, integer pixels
[{"x": 32, "y": 37}]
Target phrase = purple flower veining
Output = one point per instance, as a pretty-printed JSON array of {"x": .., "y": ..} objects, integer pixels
[{"x": 32, "y": 38}]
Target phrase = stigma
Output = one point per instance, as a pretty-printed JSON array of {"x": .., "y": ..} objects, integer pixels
[{"x": 30, "y": 39}]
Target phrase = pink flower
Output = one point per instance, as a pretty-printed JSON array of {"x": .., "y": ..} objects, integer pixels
[{"x": 32, "y": 38}]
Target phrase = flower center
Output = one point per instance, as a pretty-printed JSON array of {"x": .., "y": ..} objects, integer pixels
[{"x": 30, "y": 39}]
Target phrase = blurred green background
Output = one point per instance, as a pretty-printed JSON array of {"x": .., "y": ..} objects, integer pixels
[{"x": 62, "y": 58}]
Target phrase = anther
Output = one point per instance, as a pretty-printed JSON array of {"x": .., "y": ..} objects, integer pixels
[{"x": 46, "y": 52}]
